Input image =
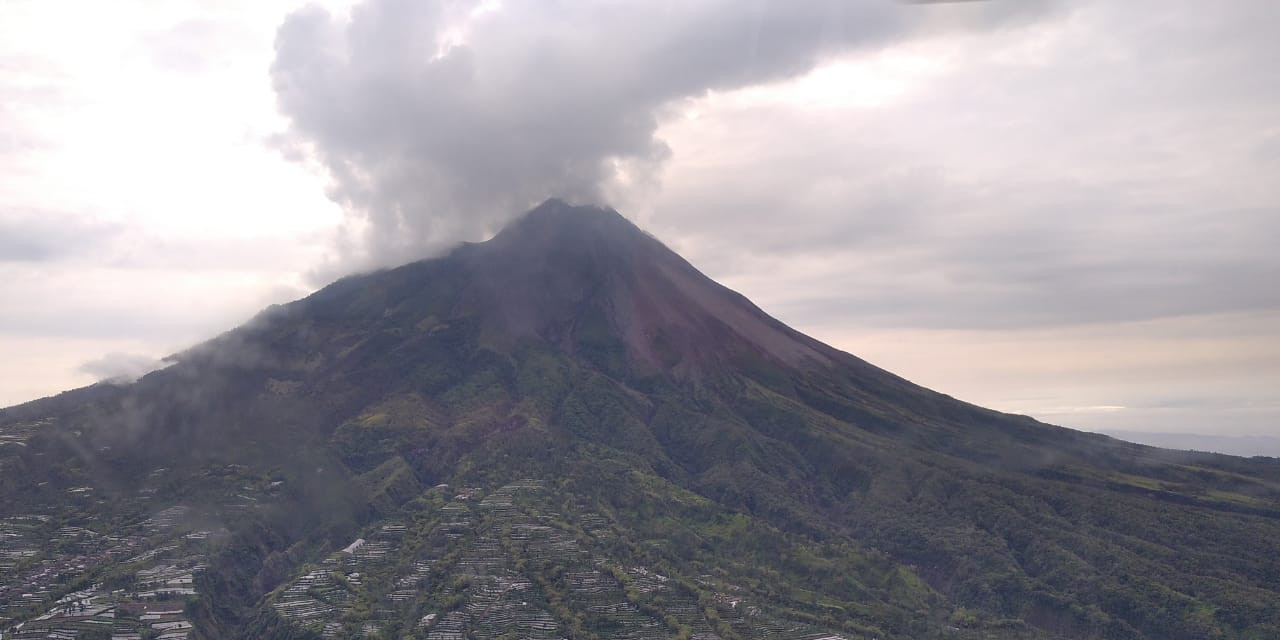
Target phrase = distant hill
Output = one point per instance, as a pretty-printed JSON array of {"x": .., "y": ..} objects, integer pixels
[
  {"x": 1246, "y": 446},
  {"x": 569, "y": 432}
]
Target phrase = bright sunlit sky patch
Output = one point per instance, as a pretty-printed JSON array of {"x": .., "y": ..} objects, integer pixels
[{"x": 1065, "y": 209}]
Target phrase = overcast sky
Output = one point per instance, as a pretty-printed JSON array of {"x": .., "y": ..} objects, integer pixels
[{"x": 1065, "y": 209}]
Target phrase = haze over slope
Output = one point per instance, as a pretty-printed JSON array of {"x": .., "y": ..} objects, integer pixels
[{"x": 631, "y": 451}]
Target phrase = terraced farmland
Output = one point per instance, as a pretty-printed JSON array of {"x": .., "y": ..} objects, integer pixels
[{"x": 506, "y": 564}]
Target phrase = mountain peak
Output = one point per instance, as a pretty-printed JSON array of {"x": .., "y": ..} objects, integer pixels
[
  {"x": 557, "y": 225},
  {"x": 555, "y": 210},
  {"x": 572, "y": 273}
]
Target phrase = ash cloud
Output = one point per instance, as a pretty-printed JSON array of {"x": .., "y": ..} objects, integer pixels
[{"x": 439, "y": 120}]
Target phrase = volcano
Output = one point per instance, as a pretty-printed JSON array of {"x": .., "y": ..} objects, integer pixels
[{"x": 568, "y": 431}]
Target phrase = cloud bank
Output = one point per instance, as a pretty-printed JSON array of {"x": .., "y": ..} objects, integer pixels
[
  {"x": 438, "y": 120},
  {"x": 1112, "y": 164},
  {"x": 121, "y": 368}
]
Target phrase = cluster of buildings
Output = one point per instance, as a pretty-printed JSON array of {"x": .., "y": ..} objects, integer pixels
[
  {"x": 476, "y": 567},
  {"x": 73, "y": 581},
  {"x": 154, "y": 607}
]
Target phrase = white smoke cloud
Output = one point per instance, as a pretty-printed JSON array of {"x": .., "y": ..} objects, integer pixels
[
  {"x": 121, "y": 368},
  {"x": 438, "y": 120}
]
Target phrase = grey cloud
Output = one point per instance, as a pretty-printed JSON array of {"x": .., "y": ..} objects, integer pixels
[
  {"x": 430, "y": 141},
  {"x": 1207, "y": 420},
  {"x": 48, "y": 237},
  {"x": 165, "y": 304},
  {"x": 40, "y": 236},
  {"x": 1125, "y": 171},
  {"x": 120, "y": 319},
  {"x": 1246, "y": 446},
  {"x": 1044, "y": 275},
  {"x": 121, "y": 367}
]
